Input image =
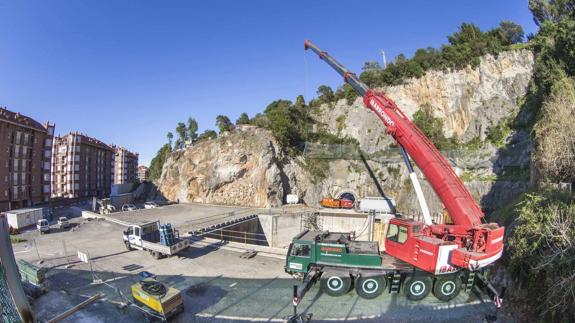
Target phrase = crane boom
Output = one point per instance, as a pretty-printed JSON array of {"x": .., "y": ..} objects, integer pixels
[{"x": 460, "y": 205}]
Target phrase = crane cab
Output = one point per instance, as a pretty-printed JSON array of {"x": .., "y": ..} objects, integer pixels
[{"x": 406, "y": 240}]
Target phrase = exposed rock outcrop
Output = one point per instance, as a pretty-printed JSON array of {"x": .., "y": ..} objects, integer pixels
[
  {"x": 247, "y": 167},
  {"x": 242, "y": 168},
  {"x": 469, "y": 101}
]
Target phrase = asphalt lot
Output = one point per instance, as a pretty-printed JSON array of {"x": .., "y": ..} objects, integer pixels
[
  {"x": 186, "y": 216},
  {"x": 217, "y": 285}
]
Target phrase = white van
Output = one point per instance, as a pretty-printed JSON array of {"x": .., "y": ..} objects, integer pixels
[{"x": 43, "y": 226}]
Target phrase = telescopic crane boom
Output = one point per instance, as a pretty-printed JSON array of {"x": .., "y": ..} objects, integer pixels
[{"x": 474, "y": 244}]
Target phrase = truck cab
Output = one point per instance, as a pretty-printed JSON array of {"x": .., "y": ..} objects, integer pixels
[
  {"x": 135, "y": 232},
  {"x": 43, "y": 226},
  {"x": 158, "y": 240},
  {"x": 406, "y": 241}
]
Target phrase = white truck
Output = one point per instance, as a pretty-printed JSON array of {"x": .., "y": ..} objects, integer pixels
[{"x": 146, "y": 237}]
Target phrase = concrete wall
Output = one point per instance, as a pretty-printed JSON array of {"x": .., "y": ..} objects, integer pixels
[
  {"x": 278, "y": 230},
  {"x": 119, "y": 200},
  {"x": 248, "y": 232}
]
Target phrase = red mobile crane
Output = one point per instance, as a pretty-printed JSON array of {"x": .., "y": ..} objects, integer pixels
[
  {"x": 446, "y": 254},
  {"x": 468, "y": 242}
]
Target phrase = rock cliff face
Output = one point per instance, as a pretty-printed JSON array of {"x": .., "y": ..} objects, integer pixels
[
  {"x": 469, "y": 101},
  {"x": 241, "y": 168},
  {"x": 247, "y": 167}
]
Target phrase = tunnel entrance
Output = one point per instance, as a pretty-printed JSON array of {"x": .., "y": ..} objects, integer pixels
[{"x": 347, "y": 196}]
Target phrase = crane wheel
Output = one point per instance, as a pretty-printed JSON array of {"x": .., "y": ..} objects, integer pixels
[
  {"x": 370, "y": 287},
  {"x": 335, "y": 285},
  {"x": 446, "y": 288},
  {"x": 417, "y": 287}
]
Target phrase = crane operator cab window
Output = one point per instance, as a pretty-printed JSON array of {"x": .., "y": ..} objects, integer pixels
[
  {"x": 301, "y": 250},
  {"x": 397, "y": 233}
]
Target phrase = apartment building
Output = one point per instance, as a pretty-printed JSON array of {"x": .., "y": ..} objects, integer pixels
[
  {"x": 143, "y": 173},
  {"x": 82, "y": 166},
  {"x": 126, "y": 166},
  {"x": 25, "y": 153}
]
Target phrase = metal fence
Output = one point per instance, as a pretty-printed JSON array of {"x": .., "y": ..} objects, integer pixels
[
  {"x": 9, "y": 311},
  {"x": 456, "y": 157}
]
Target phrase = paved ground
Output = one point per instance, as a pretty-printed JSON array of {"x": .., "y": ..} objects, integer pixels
[
  {"x": 186, "y": 217},
  {"x": 217, "y": 284}
]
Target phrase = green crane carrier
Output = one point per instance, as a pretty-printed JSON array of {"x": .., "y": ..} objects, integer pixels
[{"x": 339, "y": 263}]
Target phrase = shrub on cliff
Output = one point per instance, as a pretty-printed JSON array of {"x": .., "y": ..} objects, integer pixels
[
  {"x": 432, "y": 127},
  {"x": 542, "y": 252},
  {"x": 466, "y": 46},
  {"x": 158, "y": 162},
  {"x": 555, "y": 134}
]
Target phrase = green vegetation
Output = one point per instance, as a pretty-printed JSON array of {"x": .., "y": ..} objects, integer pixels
[
  {"x": 540, "y": 248},
  {"x": 317, "y": 168},
  {"x": 243, "y": 119},
  {"x": 14, "y": 239},
  {"x": 208, "y": 134},
  {"x": 346, "y": 92},
  {"x": 393, "y": 172},
  {"x": 340, "y": 121},
  {"x": 542, "y": 253},
  {"x": 432, "y": 127},
  {"x": 224, "y": 124},
  {"x": 466, "y": 46},
  {"x": 497, "y": 134},
  {"x": 158, "y": 162}
]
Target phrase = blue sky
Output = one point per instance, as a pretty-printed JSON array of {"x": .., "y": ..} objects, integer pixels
[{"x": 126, "y": 71}]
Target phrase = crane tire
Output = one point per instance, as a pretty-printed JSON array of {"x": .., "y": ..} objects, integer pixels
[
  {"x": 417, "y": 287},
  {"x": 335, "y": 284},
  {"x": 370, "y": 287},
  {"x": 446, "y": 288}
]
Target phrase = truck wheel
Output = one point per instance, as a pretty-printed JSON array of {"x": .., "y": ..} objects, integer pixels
[
  {"x": 417, "y": 287},
  {"x": 370, "y": 287},
  {"x": 128, "y": 246},
  {"x": 335, "y": 285},
  {"x": 446, "y": 288},
  {"x": 156, "y": 255}
]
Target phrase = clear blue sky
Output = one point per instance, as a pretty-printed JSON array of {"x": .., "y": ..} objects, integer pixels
[{"x": 126, "y": 72}]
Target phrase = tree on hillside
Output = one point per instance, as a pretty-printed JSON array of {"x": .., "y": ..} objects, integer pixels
[
  {"x": 181, "y": 130},
  {"x": 192, "y": 129},
  {"x": 224, "y": 124},
  {"x": 243, "y": 119},
  {"x": 299, "y": 102},
  {"x": 170, "y": 136},
  {"x": 158, "y": 162},
  {"x": 371, "y": 66},
  {"x": 278, "y": 105},
  {"x": 431, "y": 126},
  {"x": 551, "y": 10},
  {"x": 284, "y": 126},
  {"x": 466, "y": 34},
  {"x": 208, "y": 134},
  {"x": 325, "y": 94},
  {"x": 512, "y": 32}
]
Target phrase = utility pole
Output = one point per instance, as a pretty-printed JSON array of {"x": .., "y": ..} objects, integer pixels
[{"x": 384, "y": 61}]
